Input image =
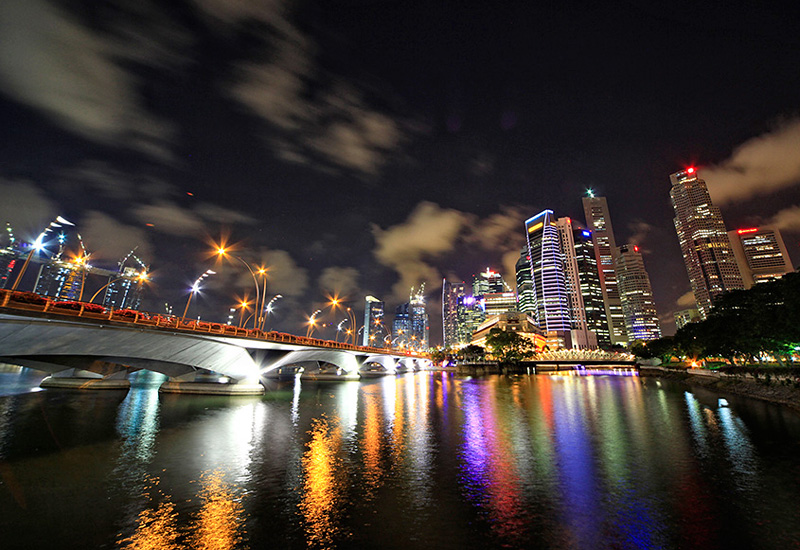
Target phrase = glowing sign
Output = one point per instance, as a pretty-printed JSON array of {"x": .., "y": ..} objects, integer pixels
[
  {"x": 751, "y": 230},
  {"x": 533, "y": 228},
  {"x": 587, "y": 234}
]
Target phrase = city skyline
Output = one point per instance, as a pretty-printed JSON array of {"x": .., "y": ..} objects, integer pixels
[{"x": 358, "y": 152}]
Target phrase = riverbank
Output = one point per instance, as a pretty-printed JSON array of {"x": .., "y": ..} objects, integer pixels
[{"x": 784, "y": 390}]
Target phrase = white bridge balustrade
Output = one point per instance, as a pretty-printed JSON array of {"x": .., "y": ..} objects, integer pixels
[
  {"x": 579, "y": 356},
  {"x": 81, "y": 350}
]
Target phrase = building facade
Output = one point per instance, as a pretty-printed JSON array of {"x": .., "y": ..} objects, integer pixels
[
  {"x": 451, "y": 292},
  {"x": 471, "y": 314},
  {"x": 551, "y": 309},
  {"x": 636, "y": 295},
  {"x": 760, "y": 254},
  {"x": 524, "y": 282},
  {"x": 598, "y": 220},
  {"x": 707, "y": 253},
  {"x": 401, "y": 326},
  {"x": 374, "y": 330},
  {"x": 419, "y": 328},
  {"x": 582, "y": 337}
]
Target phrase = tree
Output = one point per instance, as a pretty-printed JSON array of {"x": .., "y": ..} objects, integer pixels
[
  {"x": 508, "y": 347},
  {"x": 472, "y": 353}
]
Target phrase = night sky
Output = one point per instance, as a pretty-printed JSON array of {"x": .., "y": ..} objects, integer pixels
[{"x": 361, "y": 147}]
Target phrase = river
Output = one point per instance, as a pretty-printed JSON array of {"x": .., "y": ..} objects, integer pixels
[{"x": 421, "y": 460}]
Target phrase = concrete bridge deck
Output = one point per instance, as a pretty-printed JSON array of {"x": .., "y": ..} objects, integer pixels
[{"x": 89, "y": 347}]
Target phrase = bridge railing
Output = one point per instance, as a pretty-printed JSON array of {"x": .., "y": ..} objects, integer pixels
[{"x": 32, "y": 302}]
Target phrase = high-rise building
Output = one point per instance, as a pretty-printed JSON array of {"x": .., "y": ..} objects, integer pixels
[
  {"x": 598, "y": 220},
  {"x": 704, "y": 242},
  {"x": 124, "y": 290},
  {"x": 524, "y": 282},
  {"x": 8, "y": 259},
  {"x": 685, "y": 316},
  {"x": 418, "y": 320},
  {"x": 471, "y": 314},
  {"x": 495, "y": 303},
  {"x": 590, "y": 289},
  {"x": 401, "y": 326},
  {"x": 550, "y": 300},
  {"x": 582, "y": 337},
  {"x": 636, "y": 294},
  {"x": 488, "y": 282},
  {"x": 373, "y": 334},
  {"x": 451, "y": 292},
  {"x": 760, "y": 254},
  {"x": 59, "y": 279}
]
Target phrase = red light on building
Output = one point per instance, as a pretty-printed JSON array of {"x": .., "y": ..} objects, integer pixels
[
  {"x": 690, "y": 170},
  {"x": 751, "y": 230},
  {"x": 635, "y": 248}
]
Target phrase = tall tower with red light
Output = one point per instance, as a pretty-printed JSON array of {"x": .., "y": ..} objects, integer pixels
[{"x": 707, "y": 253}]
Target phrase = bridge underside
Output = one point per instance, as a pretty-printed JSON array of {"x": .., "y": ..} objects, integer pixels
[{"x": 92, "y": 355}]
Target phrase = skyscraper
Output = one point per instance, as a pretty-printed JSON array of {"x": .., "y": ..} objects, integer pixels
[
  {"x": 581, "y": 336},
  {"x": 124, "y": 290},
  {"x": 704, "y": 242},
  {"x": 524, "y": 282},
  {"x": 401, "y": 326},
  {"x": 598, "y": 220},
  {"x": 636, "y": 294},
  {"x": 373, "y": 322},
  {"x": 590, "y": 289},
  {"x": 760, "y": 254},
  {"x": 418, "y": 320},
  {"x": 470, "y": 315},
  {"x": 488, "y": 282},
  {"x": 550, "y": 301},
  {"x": 451, "y": 292}
]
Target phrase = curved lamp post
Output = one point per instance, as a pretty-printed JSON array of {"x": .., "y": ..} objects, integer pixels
[
  {"x": 195, "y": 288},
  {"x": 223, "y": 253},
  {"x": 143, "y": 278}
]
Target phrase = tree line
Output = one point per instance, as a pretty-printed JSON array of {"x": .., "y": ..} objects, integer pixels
[{"x": 742, "y": 327}]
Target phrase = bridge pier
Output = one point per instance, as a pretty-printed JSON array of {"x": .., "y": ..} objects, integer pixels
[
  {"x": 210, "y": 383},
  {"x": 86, "y": 380}
]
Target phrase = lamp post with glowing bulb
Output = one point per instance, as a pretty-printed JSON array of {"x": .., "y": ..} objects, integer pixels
[
  {"x": 312, "y": 322},
  {"x": 195, "y": 288},
  {"x": 38, "y": 245},
  {"x": 222, "y": 252}
]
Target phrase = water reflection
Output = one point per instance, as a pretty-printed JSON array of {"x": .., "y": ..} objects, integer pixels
[
  {"x": 217, "y": 525},
  {"x": 323, "y": 485}
]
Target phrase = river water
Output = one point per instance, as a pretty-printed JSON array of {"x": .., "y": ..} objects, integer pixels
[{"x": 422, "y": 460}]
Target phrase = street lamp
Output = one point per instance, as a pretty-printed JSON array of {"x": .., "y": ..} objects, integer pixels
[
  {"x": 244, "y": 304},
  {"x": 37, "y": 246},
  {"x": 268, "y": 309},
  {"x": 195, "y": 288},
  {"x": 312, "y": 322},
  {"x": 336, "y": 302},
  {"x": 222, "y": 252}
]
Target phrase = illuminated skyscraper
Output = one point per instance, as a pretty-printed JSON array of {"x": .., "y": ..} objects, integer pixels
[
  {"x": 638, "y": 306},
  {"x": 524, "y": 282},
  {"x": 124, "y": 290},
  {"x": 704, "y": 242},
  {"x": 580, "y": 335},
  {"x": 550, "y": 301},
  {"x": 598, "y": 220},
  {"x": 470, "y": 315},
  {"x": 401, "y": 326},
  {"x": 8, "y": 259},
  {"x": 488, "y": 282},
  {"x": 760, "y": 254},
  {"x": 451, "y": 292},
  {"x": 418, "y": 320},
  {"x": 374, "y": 332}
]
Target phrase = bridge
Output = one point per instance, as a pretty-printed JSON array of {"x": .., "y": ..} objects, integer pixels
[
  {"x": 582, "y": 357},
  {"x": 85, "y": 346}
]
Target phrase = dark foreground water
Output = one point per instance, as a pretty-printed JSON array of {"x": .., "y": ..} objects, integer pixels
[{"x": 424, "y": 460}]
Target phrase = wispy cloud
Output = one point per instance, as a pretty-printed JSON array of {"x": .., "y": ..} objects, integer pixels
[
  {"x": 340, "y": 281},
  {"x": 787, "y": 219},
  {"x": 109, "y": 239},
  {"x": 314, "y": 116},
  {"x": 53, "y": 63},
  {"x": 759, "y": 166},
  {"x": 407, "y": 248},
  {"x": 25, "y": 207}
]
